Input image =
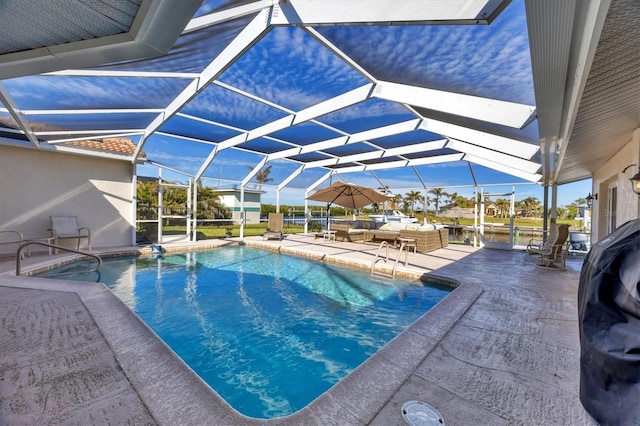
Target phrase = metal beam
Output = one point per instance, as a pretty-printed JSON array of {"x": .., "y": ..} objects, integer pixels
[
  {"x": 392, "y": 152},
  {"x": 340, "y": 12},
  {"x": 497, "y": 143},
  {"x": 91, "y": 111},
  {"x": 502, "y": 168},
  {"x": 254, "y": 171},
  {"x": 341, "y": 101},
  {"x": 393, "y": 129},
  {"x": 290, "y": 178},
  {"x": 227, "y": 15},
  {"x": 114, "y": 73},
  {"x": 249, "y": 36},
  {"x": 7, "y": 100},
  {"x": 497, "y": 157},
  {"x": 509, "y": 114}
]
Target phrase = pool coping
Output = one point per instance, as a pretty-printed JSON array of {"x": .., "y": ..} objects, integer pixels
[{"x": 173, "y": 393}]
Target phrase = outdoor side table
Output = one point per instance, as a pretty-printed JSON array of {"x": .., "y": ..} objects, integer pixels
[
  {"x": 48, "y": 240},
  {"x": 329, "y": 235},
  {"x": 406, "y": 244}
]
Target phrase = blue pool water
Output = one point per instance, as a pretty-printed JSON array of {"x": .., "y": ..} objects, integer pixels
[{"x": 268, "y": 332}]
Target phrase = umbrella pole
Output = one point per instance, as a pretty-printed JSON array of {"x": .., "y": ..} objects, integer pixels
[{"x": 328, "y": 215}]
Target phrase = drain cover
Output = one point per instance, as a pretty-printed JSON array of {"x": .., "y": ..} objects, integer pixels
[{"x": 417, "y": 413}]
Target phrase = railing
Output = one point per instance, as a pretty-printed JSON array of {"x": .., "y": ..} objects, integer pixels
[{"x": 56, "y": 247}]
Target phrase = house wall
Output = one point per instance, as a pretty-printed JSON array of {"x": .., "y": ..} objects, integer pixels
[
  {"x": 610, "y": 175},
  {"x": 37, "y": 184}
]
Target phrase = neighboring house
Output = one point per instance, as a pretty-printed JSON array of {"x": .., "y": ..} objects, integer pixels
[
  {"x": 584, "y": 216},
  {"x": 230, "y": 198}
]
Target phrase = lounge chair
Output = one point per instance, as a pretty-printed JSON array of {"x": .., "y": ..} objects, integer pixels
[
  {"x": 552, "y": 253},
  {"x": 66, "y": 228},
  {"x": 274, "y": 226}
]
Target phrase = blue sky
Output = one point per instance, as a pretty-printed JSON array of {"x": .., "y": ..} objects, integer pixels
[{"x": 290, "y": 68}]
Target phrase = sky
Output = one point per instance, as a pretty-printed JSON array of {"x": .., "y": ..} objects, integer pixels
[
  {"x": 291, "y": 70},
  {"x": 287, "y": 67}
]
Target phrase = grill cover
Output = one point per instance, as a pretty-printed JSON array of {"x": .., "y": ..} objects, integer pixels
[{"x": 609, "y": 321}]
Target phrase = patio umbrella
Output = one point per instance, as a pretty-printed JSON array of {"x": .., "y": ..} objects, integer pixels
[
  {"x": 458, "y": 213},
  {"x": 348, "y": 195}
]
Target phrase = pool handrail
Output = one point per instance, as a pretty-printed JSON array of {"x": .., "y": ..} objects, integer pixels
[{"x": 56, "y": 247}]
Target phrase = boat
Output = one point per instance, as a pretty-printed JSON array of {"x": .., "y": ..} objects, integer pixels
[{"x": 393, "y": 216}]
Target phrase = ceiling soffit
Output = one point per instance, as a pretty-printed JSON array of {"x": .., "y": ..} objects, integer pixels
[
  {"x": 48, "y": 36},
  {"x": 609, "y": 109}
]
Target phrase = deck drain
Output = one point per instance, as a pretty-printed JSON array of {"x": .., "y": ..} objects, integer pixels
[{"x": 417, "y": 413}]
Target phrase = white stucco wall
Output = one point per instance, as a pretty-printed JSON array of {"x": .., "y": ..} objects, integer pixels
[
  {"x": 37, "y": 184},
  {"x": 610, "y": 175}
]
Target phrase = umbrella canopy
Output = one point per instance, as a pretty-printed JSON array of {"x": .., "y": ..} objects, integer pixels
[
  {"x": 458, "y": 213},
  {"x": 348, "y": 195}
]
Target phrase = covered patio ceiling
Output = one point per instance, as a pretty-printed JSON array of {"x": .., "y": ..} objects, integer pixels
[{"x": 319, "y": 87}]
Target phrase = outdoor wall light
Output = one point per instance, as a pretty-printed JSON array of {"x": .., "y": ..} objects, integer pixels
[
  {"x": 590, "y": 199},
  {"x": 635, "y": 180},
  {"x": 635, "y": 183}
]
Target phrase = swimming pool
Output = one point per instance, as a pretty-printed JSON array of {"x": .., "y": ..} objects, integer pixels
[{"x": 268, "y": 332}]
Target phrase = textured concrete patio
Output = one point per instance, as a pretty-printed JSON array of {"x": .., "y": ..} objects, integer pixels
[{"x": 501, "y": 349}]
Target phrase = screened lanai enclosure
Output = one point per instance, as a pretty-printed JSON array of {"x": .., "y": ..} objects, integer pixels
[{"x": 404, "y": 95}]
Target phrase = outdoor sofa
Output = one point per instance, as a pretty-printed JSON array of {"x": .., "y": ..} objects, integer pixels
[
  {"x": 352, "y": 230},
  {"x": 427, "y": 239}
]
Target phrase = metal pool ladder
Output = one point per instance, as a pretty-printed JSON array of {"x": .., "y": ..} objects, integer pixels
[
  {"x": 403, "y": 245},
  {"x": 28, "y": 243},
  {"x": 386, "y": 260}
]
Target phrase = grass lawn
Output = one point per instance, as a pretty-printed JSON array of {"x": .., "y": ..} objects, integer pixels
[{"x": 220, "y": 231}]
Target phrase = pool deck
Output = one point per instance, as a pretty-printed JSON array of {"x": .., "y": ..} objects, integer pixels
[{"x": 503, "y": 348}]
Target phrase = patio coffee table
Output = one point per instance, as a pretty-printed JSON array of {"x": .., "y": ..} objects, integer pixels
[{"x": 374, "y": 234}]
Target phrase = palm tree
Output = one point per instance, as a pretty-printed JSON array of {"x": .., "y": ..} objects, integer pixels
[
  {"x": 412, "y": 197},
  {"x": 502, "y": 205},
  {"x": 437, "y": 193},
  {"x": 210, "y": 204},
  {"x": 262, "y": 176},
  {"x": 531, "y": 205},
  {"x": 452, "y": 199}
]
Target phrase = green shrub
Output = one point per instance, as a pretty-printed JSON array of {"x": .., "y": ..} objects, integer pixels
[{"x": 315, "y": 226}]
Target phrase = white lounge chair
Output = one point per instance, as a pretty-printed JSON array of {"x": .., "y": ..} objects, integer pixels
[{"x": 66, "y": 228}]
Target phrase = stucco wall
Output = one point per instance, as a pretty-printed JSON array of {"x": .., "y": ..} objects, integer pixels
[
  {"x": 37, "y": 184},
  {"x": 609, "y": 175}
]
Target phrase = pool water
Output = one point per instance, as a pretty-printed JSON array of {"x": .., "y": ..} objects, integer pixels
[{"x": 269, "y": 332}]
